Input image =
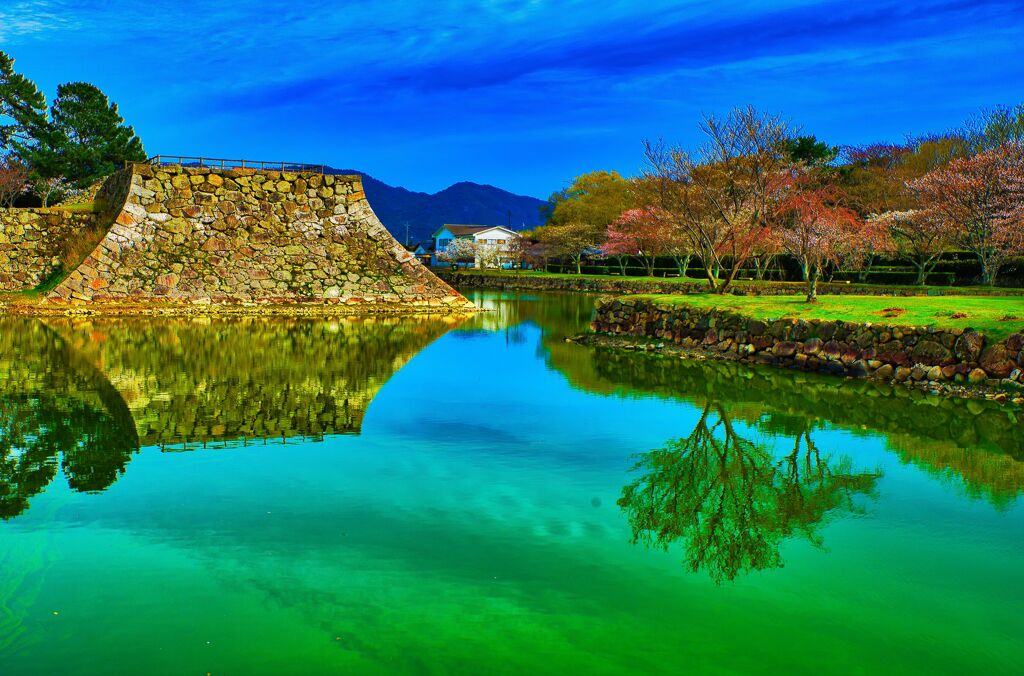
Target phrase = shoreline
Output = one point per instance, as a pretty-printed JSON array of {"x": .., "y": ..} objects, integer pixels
[
  {"x": 231, "y": 309},
  {"x": 656, "y": 347}
]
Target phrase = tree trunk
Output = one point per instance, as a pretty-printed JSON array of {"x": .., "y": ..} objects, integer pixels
[
  {"x": 922, "y": 273},
  {"x": 579, "y": 269},
  {"x": 712, "y": 281},
  {"x": 682, "y": 267},
  {"x": 812, "y": 284}
]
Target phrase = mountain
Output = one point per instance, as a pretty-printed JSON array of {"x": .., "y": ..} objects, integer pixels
[{"x": 463, "y": 202}]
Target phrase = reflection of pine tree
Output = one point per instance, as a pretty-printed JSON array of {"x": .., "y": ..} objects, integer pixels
[
  {"x": 730, "y": 500},
  {"x": 35, "y": 431}
]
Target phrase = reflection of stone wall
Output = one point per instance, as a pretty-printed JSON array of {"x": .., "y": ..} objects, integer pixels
[
  {"x": 31, "y": 241},
  {"x": 224, "y": 236},
  {"x": 194, "y": 381},
  {"x": 901, "y": 353}
]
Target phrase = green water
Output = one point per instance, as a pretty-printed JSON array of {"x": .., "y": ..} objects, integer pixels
[{"x": 424, "y": 496}]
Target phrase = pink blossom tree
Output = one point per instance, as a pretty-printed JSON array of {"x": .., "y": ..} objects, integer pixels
[
  {"x": 811, "y": 224},
  {"x": 644, "y": 233},
  {"x": 980, "y": 199}
]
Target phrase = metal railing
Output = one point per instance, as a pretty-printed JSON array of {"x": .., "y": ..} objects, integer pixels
[{"x": 223, "y": 163}]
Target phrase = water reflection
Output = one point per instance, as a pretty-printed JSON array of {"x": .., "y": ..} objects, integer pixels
[
  {"x": 731, "y": 502},
  {"x": 84, "y": 395},
  {"x": 975, "y": 445}
]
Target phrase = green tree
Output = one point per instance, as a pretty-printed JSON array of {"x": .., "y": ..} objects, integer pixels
[
  {"x": 809, "y": 151},
  {"x": 85, "y": 138},
  {"x": 22, "y": 106},
  {"x": 579, "y": 216}
]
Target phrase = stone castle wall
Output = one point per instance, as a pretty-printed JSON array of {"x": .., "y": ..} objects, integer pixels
[
  {"x": 202, "y": 235},
  {"x": 899, "y": 353},
  {"x": 31, "y": 243}
]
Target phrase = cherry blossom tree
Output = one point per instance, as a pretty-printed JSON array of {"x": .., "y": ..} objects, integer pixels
[
  {"x": 918, "y": 235},
  {"x": 13, "y": 181},
  {"x": 459, "y": 250},
  {"x": 980, "y": 199},
  {"x": 644, "y": 233},
  {"x": 572, "y": 239},
  {"x": 721, "y": 195},
  {"x": 811, "y": 224}
]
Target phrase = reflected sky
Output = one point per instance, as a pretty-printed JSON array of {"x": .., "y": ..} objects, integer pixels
[{"x": 474, "y": 523}]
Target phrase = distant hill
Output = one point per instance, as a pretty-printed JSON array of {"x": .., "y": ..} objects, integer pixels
[{"x": 463, "y": 202}]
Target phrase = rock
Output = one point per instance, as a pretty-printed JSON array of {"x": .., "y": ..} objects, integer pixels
[
  {"x": 884, "y": 371},
  {"x": 977, "y": 376},
  {"x": 812, "y": 346},
  {"x": 902, "y": 373},
  {"x": 968, "y": 346},
  {"x": 935, "y": 374},
  {"x": 858, "y": 369},
  {"x": 997, "y": 360},
  {"x": 931, "y": 352},
  {"x": 785, "y": 349}
]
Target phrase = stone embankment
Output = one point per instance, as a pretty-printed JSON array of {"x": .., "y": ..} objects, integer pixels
[
  {"x": 469, "y": 280},
  {"x": 32, "y": 241},
  {"x": 958, "y": 361},
  {"x": 199, "y": 235}
]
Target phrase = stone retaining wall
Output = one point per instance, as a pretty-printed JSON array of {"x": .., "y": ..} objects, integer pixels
[
  {"x": 467, "y": 280},
  {"x": 899, "y": 353},
  {"x": 31, "y": 242},
  {"x": 200, "y": 235}
]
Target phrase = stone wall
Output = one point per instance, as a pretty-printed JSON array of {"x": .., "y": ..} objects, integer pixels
[
  {"x": 899, "y": 353},
  {"x": 31, "y": 242},
  {"x": 200, "y": 235},
  {"x": 467, "y": 280}
]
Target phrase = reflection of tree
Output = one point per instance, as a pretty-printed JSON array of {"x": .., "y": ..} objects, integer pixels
[
  {"x": 55, "y": 408},
  {"x": 731, "y": 501},
  {"x": 974, "y": 445}
]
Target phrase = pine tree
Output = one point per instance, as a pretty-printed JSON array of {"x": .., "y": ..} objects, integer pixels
[
  {"x": 22, "y": 107},
  {"x": 85, "y": 137}
]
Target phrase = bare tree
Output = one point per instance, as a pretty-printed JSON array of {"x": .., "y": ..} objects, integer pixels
[{"x": 720, "y": 195}]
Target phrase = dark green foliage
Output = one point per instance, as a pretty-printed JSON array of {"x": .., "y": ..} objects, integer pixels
[
  {"x": 22, "y": 106},
  {"x": 808, "y": 150},
  {"x": 85, "y": 138}
]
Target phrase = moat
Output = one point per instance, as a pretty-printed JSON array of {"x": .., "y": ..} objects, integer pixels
[{"x": 474, "y": 494}]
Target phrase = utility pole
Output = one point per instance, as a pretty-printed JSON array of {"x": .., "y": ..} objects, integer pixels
[{"x": 407, "y": 233}]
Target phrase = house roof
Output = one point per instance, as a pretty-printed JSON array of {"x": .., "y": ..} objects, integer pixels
[
  {"x": 460, "y": 230},
  {"x": 496, "y": 227}
]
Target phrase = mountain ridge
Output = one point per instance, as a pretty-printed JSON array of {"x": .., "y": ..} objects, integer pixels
[{"x": 461, "y": 202}]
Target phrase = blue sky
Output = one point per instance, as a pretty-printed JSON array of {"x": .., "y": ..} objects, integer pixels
[{"x": 522, "y": 95}]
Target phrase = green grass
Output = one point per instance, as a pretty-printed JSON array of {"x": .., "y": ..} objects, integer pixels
[
  {"x": 83, "y": 208},
  {"x": 995, "y": 316}
]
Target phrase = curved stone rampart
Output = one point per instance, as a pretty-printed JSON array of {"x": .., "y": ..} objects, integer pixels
[{"x": 200, "y": 235}]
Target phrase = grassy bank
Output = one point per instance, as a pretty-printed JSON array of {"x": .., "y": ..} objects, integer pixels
[{"x": 995, "y": 316}]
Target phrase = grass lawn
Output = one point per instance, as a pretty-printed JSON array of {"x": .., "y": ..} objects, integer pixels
[{"x": 995, "y": 316}]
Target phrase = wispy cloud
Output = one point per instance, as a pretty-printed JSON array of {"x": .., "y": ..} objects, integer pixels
[
  {"x": 569, "y": 81},
  {"x": 23, "y": 18}
]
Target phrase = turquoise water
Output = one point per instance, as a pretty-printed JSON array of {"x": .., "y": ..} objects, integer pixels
[{"x": 425, "y": 496}]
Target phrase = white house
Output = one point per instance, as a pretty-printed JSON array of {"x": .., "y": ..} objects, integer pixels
[{"x": 494, "y": 243}]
